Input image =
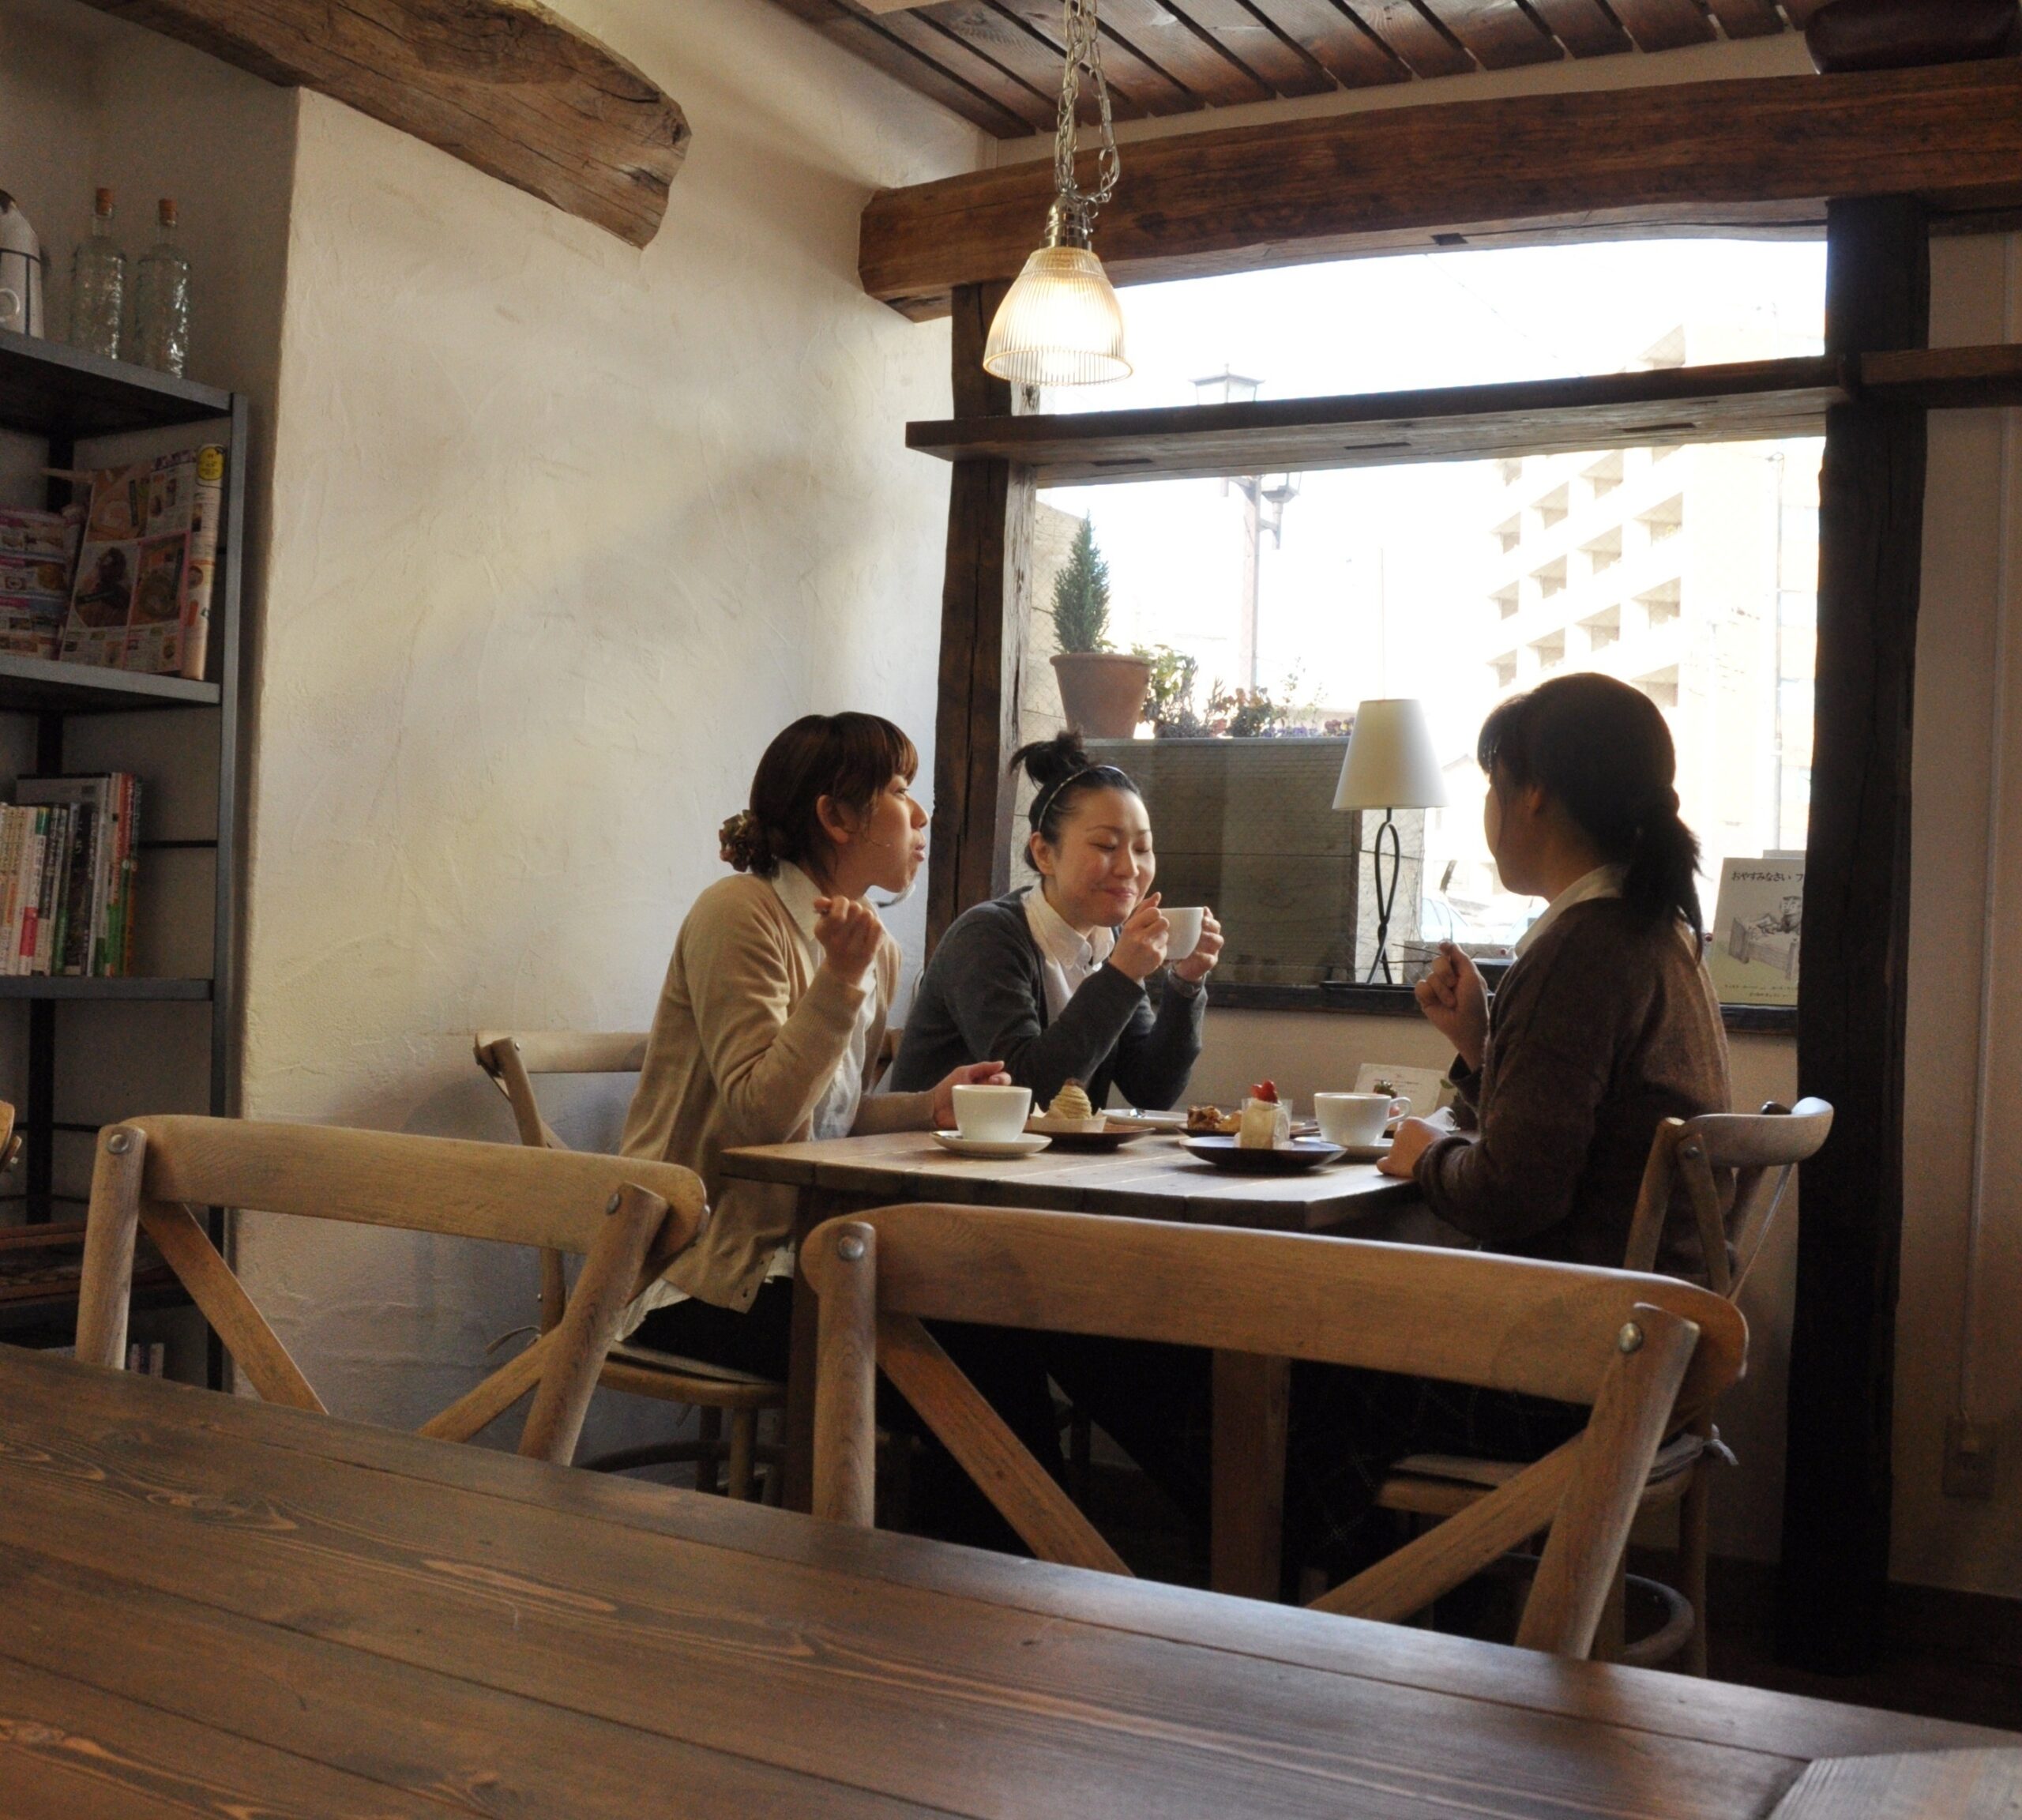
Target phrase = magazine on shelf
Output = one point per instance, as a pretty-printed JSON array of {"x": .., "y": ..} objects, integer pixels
[
  {"x": 141, "y": 599},
  {"x": 1758, "y": 929},
  {"x": 38, "y": 558}
]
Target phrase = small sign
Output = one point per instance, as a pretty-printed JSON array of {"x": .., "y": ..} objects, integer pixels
[{"x": 1758, "y": 930}]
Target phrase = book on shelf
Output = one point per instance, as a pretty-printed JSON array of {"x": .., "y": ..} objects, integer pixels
[
  {"x": 141, "y": 599},
  {"x": 68, "y": 864}
]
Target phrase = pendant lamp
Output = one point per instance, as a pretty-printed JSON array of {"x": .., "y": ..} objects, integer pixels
[{"x": 1060, "y": 323}]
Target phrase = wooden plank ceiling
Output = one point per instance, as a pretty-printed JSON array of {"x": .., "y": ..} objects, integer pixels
[{"x": 997, "y": 63}]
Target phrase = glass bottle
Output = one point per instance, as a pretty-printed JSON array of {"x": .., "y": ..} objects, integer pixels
[
  {"x": 161, "y": 300},
  {"x": 98, "y": 285}
]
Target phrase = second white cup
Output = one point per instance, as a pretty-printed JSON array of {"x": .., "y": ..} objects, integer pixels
[
  {"x": 992, "y": 1114},
  {"x": 1186, "y": 936},
  {"x": 1354, "y": 1119}
]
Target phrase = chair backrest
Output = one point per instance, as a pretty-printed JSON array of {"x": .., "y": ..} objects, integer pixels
[
  {"x": 627, "y": 1218},
  {"x": 512, "y": 1060},
  {"x": 1762, "y": 1148},
  {"x": 1645, "y": 1353}
]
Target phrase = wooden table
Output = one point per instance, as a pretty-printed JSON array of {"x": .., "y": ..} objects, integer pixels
[
  {"x": 1152, "y": 1178},
  {"x": 209, "y": 1605}
]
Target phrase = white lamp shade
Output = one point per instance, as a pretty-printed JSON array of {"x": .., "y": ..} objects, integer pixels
[
  {"x": 1059, "y": 324},
  {"x": 1390, "y": 763}
]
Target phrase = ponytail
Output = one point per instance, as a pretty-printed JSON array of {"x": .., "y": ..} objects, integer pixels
[{"x": 1601, "y": 750}]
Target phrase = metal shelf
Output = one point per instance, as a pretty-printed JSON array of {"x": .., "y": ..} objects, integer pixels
[
  {"x": 50, "y": 389},
  {"x": 41, "y": 685},
  {"x": 127, "y": 987}
]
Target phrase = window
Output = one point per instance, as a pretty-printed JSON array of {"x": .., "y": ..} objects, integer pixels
[{"x": 1688, "y": 571}]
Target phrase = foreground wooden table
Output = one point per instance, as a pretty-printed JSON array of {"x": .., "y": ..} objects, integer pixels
[
  {"x": 1152, "y": 1178},
  {"x": 209, "y": 1606}
]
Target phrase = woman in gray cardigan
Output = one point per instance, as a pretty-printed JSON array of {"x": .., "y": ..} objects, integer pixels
[{"x": 1052, "y": 979}]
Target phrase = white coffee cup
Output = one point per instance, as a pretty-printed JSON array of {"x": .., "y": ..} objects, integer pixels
[
  {"x": 992, "y": 1114},
  {"x": 1186, "y": 936},
  {"x": 1356, "y": 1120}
]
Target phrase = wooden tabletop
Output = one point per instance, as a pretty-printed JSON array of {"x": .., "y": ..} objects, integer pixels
[
  {"x": 210, "y": 1605},
  {"x": 1152, "y": 1177}
]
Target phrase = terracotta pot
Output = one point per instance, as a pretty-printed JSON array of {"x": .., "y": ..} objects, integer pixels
[
  {"x": 1102, "y": 692},
  {"x": 1900, "y": 34}
]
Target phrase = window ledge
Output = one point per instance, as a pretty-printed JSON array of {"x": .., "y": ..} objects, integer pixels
[{"x": 1399, "y": 1001}]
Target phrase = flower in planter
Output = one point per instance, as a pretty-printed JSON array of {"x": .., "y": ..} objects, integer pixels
[{"x": 1170, "y": 706}]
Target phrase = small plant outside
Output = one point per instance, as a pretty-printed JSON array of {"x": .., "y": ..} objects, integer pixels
[{"x": 1081, "y": 596}]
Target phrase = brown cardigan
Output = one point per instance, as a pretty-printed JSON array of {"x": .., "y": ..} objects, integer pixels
[
  {"x": 1604, "y": 1027},
  {"x": 748, "y": 1034}
]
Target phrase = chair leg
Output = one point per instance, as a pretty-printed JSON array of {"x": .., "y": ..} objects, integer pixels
[
  {"x": 710, "y": 1424},
  {"x": 1693, "y": 1517},
  {"x": 743, "y": 1441}
]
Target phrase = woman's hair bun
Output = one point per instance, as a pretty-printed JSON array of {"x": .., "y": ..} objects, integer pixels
[
  {"x": 1049, "y": 762},
  {"x": 744, "y": 845}
]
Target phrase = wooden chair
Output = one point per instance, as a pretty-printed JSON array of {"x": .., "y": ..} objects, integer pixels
[
  {"x": 628, "y": 1219},
  {"x": 1763, "y": 1151},
  {"x": 1641, "y": 1351},
  {"x": 716, "y": 1391}
]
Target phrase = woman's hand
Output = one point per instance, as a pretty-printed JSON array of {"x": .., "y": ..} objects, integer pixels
[
  {"x": 849, "y": 934},
  {"x": 969, "y": 1074},
  {"x": 1201, "y": 963},
  {"x": 1453, "y": 996},
  {"x": 1414, "y": 1137},
  {"x": 1140, "y": 943}
]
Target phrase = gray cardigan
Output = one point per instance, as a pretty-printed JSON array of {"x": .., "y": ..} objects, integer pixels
[{"x": 983, "y": 998}]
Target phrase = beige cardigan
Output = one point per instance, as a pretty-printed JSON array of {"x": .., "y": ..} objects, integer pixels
[{"x": 748, "y": 1036}]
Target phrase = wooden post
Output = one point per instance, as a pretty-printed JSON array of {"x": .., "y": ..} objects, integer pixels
[
  {"x": 1853, "y": 993},
  {"x": 985, "y": 605}
]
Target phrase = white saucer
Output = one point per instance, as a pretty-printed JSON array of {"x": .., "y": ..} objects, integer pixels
[
  {"x": 1026, "y": 1145},
  {"x": 1365, "y": 1152}
]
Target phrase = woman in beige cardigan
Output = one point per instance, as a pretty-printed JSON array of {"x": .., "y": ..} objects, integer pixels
[{"x": 772, "y": 1018}]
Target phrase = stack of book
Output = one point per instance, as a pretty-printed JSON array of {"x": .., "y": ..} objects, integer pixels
[{"x": 67, "y": 862}]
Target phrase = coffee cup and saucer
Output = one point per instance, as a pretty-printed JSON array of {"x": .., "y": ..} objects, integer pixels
[
  {"x": 991, "y": 1122},
  {"x": 1357, "y": 1122}
]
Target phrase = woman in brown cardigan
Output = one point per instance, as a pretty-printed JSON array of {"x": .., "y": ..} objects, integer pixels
[{"x": 1605, "y": 1025}]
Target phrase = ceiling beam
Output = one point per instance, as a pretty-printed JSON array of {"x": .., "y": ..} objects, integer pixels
[
  {"x": 1702, "y": 156},
  {"x": 504, "y": 85}
]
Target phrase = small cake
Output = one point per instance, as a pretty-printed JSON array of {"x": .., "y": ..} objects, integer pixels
[
  {"x": 1203, "y": 1121},
  {"x": 1071, "y": 1102},
  {"x": 1266, "y": 1125}
]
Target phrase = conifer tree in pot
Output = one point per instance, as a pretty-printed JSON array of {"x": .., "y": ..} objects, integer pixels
[{"x": 1102, "y": 691}]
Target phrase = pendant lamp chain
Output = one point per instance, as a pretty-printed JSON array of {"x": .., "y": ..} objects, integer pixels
[{"x": 1076, "y": 207}]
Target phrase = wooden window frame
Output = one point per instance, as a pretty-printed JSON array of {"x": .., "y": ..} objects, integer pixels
[{"x": 1874, "y": 385}]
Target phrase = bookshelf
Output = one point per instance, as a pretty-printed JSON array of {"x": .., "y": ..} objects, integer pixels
[{"x": 49, "y": 710}]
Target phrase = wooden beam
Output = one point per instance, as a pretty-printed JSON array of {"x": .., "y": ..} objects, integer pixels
[
  {"x": 1743, "y": 402},
  {"x": 1853, "y": 998},
  {"x": 504, "y": 85},
  {"x": 985, "y": 604},
  {"x": 1705, "y": 157}
]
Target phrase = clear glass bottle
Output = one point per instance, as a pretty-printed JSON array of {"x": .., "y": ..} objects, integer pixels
[
  {"x": 161, "y": 300},
  {"x": 98, "y": 285}
]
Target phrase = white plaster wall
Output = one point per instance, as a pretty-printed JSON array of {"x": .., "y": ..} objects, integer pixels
[{"x": 564, "y": 531}]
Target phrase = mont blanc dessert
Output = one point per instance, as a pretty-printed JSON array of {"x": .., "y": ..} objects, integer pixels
[{"x": 1072, "y": 1110}]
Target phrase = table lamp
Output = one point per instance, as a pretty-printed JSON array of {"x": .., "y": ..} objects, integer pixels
[{"x": 1391, "y": 765}]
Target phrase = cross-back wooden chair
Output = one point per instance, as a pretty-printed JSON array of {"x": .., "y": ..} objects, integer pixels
[
  {"x": 627, "y": 1219},
  {"x": 716, "y": 1392},
  {"x": 1642, "y": 1352},
  {"x": 1760, "y": 1152}
]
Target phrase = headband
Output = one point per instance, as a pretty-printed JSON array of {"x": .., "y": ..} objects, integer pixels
[{"x": 1043, "y": 801}]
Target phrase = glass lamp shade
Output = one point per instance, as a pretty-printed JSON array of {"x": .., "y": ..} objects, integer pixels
[
  {"x": 1059, "y": 324},
  {"x": 1390, "y": 763}
]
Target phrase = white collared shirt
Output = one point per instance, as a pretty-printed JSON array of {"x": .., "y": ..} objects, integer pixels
[
  {"x": 835, "y": 1112},
  {"x": 1603, "y": 882},
  {"x": 1066, "y": 959}
]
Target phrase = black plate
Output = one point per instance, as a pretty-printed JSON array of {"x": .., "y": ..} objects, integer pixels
[
  {"x": 1113, "y": 1138},
  {"x": 1302, "y": 1154}
]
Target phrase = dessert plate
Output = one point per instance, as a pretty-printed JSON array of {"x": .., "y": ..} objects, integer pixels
[
  {"x": 1112, "y": 1137},
  {"x": 1288, "y": 1159},
  {"x": 1025, "y": 1145}
]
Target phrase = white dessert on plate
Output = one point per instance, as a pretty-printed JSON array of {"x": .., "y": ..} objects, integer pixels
[{"x": 1266, "y": 1125}]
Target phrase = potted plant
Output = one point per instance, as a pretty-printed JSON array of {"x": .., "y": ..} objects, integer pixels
[
  {"x": 1169, "y": 706},
  {"x": 1102, "y": 691}
]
